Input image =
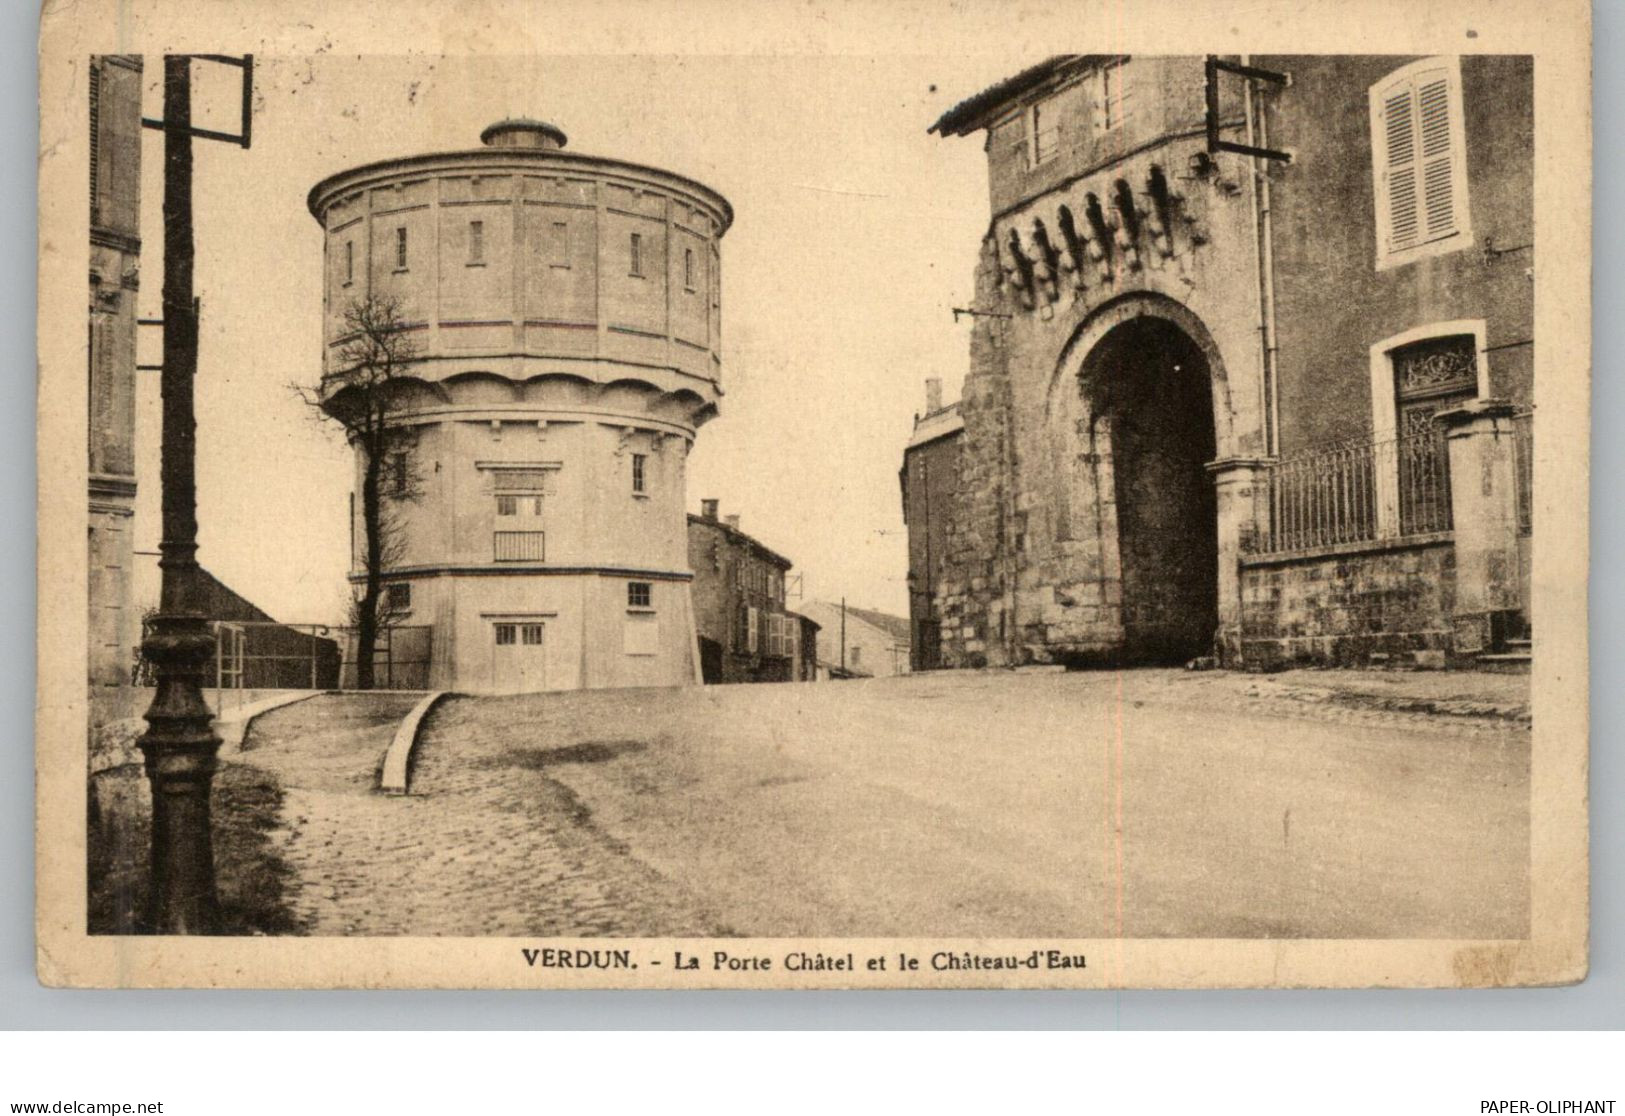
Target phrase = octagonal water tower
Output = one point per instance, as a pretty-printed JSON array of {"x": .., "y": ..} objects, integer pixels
[{"x": 564, "y": 310}]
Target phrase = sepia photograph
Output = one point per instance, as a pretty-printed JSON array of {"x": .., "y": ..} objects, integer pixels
[{"x": 927, "y": 519}]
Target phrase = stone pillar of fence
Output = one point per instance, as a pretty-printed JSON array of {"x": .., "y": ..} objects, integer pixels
[
  {"x": 1482, "y": 444},
  {"x": 1241, "y": 490}
]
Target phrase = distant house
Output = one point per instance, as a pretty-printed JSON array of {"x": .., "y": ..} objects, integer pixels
[
  {"x": 804, "y": 667},
  {"x": 745, "y": 633},
  {"x": 859, "y": 642},
  {"x": 930, "y": 482}
]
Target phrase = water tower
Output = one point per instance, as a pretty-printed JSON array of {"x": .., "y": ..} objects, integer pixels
[{"x": 565, "y": 315}]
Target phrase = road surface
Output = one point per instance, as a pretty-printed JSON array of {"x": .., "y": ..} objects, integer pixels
[{"x": 978, "y": 804}]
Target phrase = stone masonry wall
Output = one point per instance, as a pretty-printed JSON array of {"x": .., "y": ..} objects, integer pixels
[
  {"x": 1345, "y": 608},
  {"x": 972, "y": 589},
  {"x": 1033, "y": 571},
  {"x": 1144, "y": 222}
]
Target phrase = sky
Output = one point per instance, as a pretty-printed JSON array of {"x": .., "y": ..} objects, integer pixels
[{"x": 855, "y": 235}]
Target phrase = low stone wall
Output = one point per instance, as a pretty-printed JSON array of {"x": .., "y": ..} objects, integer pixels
[{"x": 1350, "y": 605}]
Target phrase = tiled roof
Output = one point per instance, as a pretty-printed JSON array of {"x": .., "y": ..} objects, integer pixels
[
  {"x": 895, "y": 626},
  {"x": 967, "y": 116},
  {"x": 937, "y": 424},
  {"x": 739, "y": 536}
]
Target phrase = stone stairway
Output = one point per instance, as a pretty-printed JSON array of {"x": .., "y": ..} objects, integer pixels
[{"x": 1514, "y": 658}]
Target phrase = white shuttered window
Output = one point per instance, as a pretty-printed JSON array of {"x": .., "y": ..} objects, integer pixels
[{"x": 1418, "y": 150}]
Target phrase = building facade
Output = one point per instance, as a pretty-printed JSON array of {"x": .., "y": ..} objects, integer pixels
[
  {"x": 1217, "y": 397},
  {"x": 745, "y": 632},
  {"x": 806, "y": 662},
  {"x": 566, "y": 314},
  {"x": 115, "y": 262},
  {"x": 930, "y": 482},
  {"x": 859, "y": 642}
]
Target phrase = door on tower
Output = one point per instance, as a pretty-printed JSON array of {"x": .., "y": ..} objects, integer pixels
[{"x": 518, "y": 656}]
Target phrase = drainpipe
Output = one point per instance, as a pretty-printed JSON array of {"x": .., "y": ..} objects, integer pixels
[{"x": 1264, "y": 243}]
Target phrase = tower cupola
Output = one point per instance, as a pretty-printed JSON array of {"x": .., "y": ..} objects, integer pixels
[{"x": 538, "y": 135}]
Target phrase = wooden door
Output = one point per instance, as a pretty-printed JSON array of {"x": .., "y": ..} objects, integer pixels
[{"x": 518, "y": 657}]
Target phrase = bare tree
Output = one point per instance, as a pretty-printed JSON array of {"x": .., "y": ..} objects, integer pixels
[{"x": 362, "y": 391}]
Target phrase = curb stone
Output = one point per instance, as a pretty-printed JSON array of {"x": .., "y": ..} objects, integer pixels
[{"x": 393, "y": 777}]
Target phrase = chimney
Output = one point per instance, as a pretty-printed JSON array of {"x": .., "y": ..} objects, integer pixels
[
  {"x": 933, "y": 394},
  {"x": 732, "y": 521},
  {"x": 708, "y": 510}
]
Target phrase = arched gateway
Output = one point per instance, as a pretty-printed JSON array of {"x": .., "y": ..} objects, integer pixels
[{"x": 1138, "y": 412}]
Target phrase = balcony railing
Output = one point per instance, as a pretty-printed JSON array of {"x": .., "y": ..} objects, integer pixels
[
  {"x": 518, "y": 546},
  {"x": 1356, "y": 492}
]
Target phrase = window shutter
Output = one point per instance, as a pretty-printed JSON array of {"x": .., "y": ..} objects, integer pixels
[
  {"x": 1009, "y": 138},
  {"x": 1419, "y": 188},
  {"x": 1400, "y": 169},
  {"x": 95, "y": 141},
  {"x": 1438, "y": 177}
]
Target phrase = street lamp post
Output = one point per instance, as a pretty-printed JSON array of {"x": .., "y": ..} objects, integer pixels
[{"x": 180, "y": 743}]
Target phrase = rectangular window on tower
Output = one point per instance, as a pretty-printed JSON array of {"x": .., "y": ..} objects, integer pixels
[
  {"x": 639, "y": 474},
  {"x": 635, "y": 256},
  {"x": 1113, "y": 104},
  {"x": 639, "y": 594},
  {"x": 400, "y": 248},
  {"x": 558, "y": 246},
  {"x": 349, "y": 262},
  {"x": 526, "y": 504},
  {"x": 400, "y": 475},
  {"x": 476, "y": 244},
  {"x": 1046, "y": 133},
  {"x": 688, "y": 269}
]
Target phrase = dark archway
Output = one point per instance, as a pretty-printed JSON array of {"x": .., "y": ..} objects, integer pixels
[
  {"x": 710, "y": 661},
  {"x": 1149, "y": 385}
]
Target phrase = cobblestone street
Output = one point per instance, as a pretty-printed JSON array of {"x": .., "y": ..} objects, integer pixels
[
  {"x": 481, "y": 847},
  {"x": 1151, "y": 803}
]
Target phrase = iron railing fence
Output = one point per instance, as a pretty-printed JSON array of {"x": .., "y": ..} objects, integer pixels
[
  {"x": 1356, "y": 492},
  {"x": 1523, "y": 433},
  {"x": 263, "y": 655},
  {"x": 258, "y": 655},
  {"x": 400, "y": 658}
]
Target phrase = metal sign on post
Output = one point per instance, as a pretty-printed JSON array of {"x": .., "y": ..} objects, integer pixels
[
  {"x": 246, "y": 133},
  {"x": 1216, "y": 66}
]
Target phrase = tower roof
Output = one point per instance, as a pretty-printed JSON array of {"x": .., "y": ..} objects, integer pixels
[{"x": 522, "y": 131}]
